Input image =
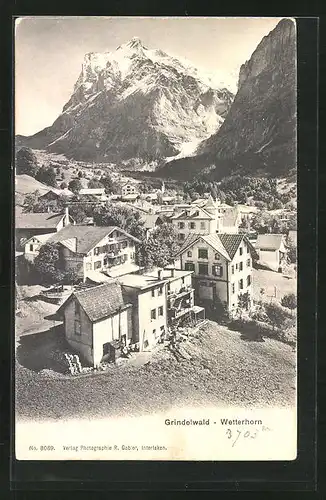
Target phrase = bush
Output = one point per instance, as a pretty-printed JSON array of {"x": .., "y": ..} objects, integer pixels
[
  {"x": 289, "y": 301},
  {"x": 276, "y": 315}
]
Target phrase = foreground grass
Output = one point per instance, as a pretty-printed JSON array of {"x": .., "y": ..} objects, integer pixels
[{"x": 223, "y": 370}]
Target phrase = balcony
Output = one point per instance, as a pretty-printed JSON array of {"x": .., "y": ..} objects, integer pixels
[{"x": 182, "y": 292}]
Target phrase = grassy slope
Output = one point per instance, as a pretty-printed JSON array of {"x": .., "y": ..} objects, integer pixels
[{"x": 223, "y": 370}]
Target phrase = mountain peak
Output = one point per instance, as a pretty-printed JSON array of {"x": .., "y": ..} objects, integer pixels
[{"x": 135, "y": 43}]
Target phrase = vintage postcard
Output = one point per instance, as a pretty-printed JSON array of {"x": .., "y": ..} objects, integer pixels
[{"x": 155, "y": 238}]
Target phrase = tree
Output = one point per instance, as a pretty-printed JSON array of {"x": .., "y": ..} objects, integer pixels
[
  {"x": 26, "y": 162},
  {"x": 160, "y": 247},
  {"x": 276, "y": 315},
  {"x": 48, "y": 263},
  {"x": 289, "y": 301},
  {"x": 75, "y": 185},
  {"x": 46, "y": 175},
  {"x": 119, "y": 215},
  {"x": 111, "y": 187},
  {"x": 80, "y": 174},
  {"x": 63, "y": 185},
  {"x": 95, "y": 184},
  {"x": 244, "y": 302}
]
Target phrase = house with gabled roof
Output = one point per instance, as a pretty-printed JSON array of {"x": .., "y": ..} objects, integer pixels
[
  {"x": 29, "y": 224},
  {"x": 222, "y": 267},
  {"x": 97, "y": 322},
  {"x": 272, "y": 250},
  {"x": 86, "y": 249},
  {"x": 196, "y": 220}
]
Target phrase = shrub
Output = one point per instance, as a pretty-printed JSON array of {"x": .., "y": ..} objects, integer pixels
[
  {"x": 289, "y": 301},
  {"x": 276, "y": 315}
]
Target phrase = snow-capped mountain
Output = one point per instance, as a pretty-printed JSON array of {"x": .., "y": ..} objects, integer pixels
[
  {"x": 137, "y": 102},
  {"x": 259, "y": 132}
]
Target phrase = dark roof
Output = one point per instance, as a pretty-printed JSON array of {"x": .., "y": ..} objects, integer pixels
[
  {"x": 101, "y": 301},
  {"x": 226, "y": 244},
  {"x": 48, "y": 220},
  {"x": 87, "y": 236},
  {"x": 231, "y": 243}
]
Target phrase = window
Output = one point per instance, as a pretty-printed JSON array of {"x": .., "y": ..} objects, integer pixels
[
  {"x": 189, "y": 266},
  {"x": 189, "y": 253},
  {"x": 241, "y": 250},
  {"x": 125, "y": 244},
  {"x": 153, "y": 292},
  {"x": 181, "y": 225},
  {"x": 181, "y": 236},
  {"x": 241, "y": 266},
  {"x": 97, "y": 264},
  {"x": 232, "y": 269},
  {"x": 248, "y": 263},
  {"x": 248, "y": 280},
  {"x": 217, "y": 256},
  {"x": 241, "y": 284},
  {"x": 31, "y": 248},
  {"x": 105, "y": 261},
  {"x": 202, "y": 253},
  {"x": 153, "y": 314},
  {"x": 203, "y": 283},
  {"x": 233, "y": 288},
  {"x": 248, "y": 249},
  {"x": 160, "y": 311},
  {"x": 217, "y": 270},
  {"x": 154, "y": 332},
  {"x": 192, "y": 225},
  {"x": 236, "y": 266},
  {"x": 203, "y": 269},
  {"x": 96, "y": 250},
  {"x": 88, "y": 266},
  {"x": 125, "y": 257},
  {"x": 160, "y": 290},
  {"x": 202, "y": 225}
]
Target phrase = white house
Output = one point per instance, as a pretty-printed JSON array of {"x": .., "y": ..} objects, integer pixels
[
  {"x": 96, "y": 248},
  {"x": 97, "y": 322},
  {"x": 272, "y": 250},
  {"x": 128, "y": 188},
  {"x": 148, "y": 296},
  {"x": 221, "y": 265}
]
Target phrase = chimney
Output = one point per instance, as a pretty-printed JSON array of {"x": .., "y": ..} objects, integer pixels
[
  {"x": 172, "y": 272},
  {"x": 159, "y": 274}
]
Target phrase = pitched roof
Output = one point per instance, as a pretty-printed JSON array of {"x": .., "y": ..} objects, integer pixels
[
  {"x": 47, "y": 220},
  {"x": 231, "y": 242},
  {"x": 95, "y": 191},
  {"x": 87, "y": 236},
  {"x": 42, "y": 238},
  {"x": 226, "y": 244},
  {"x": 193, "y": 213},
  {"x": 101, "y": 301},
  {"x": 270, "y": 241}
]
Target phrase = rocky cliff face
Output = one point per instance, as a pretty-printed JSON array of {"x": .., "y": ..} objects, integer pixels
[
  {"x": 259, "y": 132},
  {"x": 136, "y": 103}
]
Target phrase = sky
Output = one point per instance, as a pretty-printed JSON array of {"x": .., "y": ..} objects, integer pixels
[{"x": 49, "y": 52}]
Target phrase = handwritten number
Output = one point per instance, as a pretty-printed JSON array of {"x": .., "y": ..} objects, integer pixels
[
  {"x": 229, "y": 433},
  {"x": 236, "y": 439}
]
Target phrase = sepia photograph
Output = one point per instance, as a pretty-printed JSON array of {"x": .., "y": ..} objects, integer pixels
[{"x": 155, "y": 238}]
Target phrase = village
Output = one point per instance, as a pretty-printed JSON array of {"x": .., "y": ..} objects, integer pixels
[{"x": 109, "y": 303}]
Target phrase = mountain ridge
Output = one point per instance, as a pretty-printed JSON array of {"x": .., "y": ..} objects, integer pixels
[{"x": 259, "y": 132}]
